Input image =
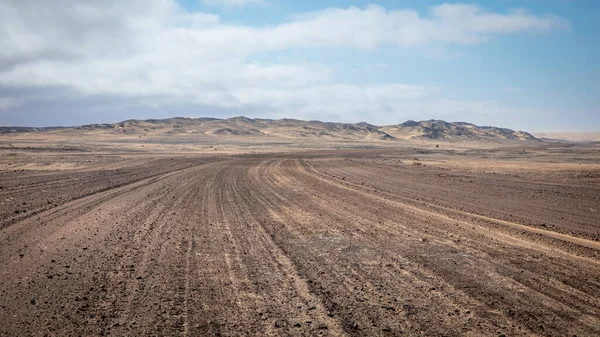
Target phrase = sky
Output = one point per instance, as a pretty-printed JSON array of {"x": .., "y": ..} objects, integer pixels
[{"x": 530, "y": 65}]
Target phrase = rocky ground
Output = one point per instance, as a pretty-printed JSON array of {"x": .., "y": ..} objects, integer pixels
[{"x": 358, "y": 242}]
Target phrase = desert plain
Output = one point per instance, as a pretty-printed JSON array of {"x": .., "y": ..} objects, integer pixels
[{"x": 127, "y": 230}]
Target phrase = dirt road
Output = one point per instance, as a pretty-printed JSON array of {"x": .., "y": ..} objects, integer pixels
[{"x": 328, "y": 243}]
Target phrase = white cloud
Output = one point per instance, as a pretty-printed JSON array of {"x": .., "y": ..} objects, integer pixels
[
  {"x": 157, "y": 52},
  {"x": 117, "y": 28}
]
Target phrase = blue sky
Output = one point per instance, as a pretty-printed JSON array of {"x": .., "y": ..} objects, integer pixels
[{"x": 529, "y": 65}]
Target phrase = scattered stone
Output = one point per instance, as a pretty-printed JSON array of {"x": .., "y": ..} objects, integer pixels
[{"x": 409, "y": 308}]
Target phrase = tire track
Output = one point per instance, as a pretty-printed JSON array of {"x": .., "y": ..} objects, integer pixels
[
  {"x": 307, "y": 184},
  {"x": 409, "y": 203},
  {"x": 271, "y": 245}
]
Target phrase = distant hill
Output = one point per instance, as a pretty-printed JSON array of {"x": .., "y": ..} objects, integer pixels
[
  {"x": 442, "y": 130},
  {"x": 15, "y": 129},
  {"x": 295, "y": 129}
]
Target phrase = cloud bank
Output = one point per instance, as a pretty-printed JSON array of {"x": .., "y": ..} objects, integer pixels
[{"x": 154, "y": 53}]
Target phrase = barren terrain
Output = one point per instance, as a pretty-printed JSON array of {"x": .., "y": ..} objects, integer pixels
[{"x": 272, "y": 239}]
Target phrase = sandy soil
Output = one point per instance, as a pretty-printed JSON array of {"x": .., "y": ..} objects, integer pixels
[{"x": 382, "y": 241}]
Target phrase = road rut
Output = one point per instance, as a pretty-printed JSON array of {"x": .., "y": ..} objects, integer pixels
[{"x": 292, "y": 244}]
